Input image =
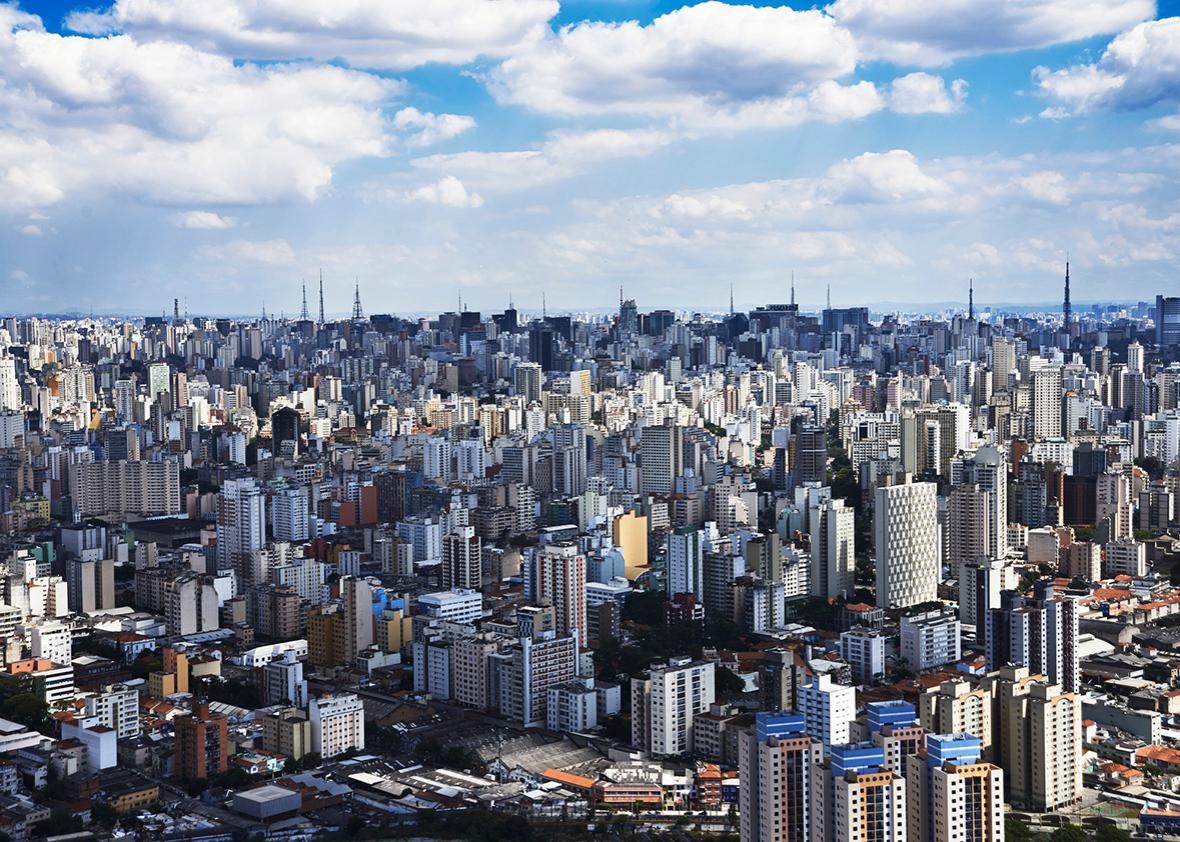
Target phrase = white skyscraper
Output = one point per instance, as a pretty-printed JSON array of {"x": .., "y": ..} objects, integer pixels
[
  {"x": 686, "y": 562},
  {"x": 241, "y": 528},
  {"x": 1047, "y": 402},
  {"x": 833, "y": 559},
  {"x": 9, "y": 387},
  {"x": 664, "y": 702},
  {"x": 905, "y": 527},
  {"x": 829, "y": 709}
]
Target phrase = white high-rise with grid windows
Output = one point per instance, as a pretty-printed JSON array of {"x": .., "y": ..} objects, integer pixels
[{"x": 905, "y": 528}]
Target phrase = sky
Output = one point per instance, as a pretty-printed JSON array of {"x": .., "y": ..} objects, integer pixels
[{"x": 223, "y": 152}]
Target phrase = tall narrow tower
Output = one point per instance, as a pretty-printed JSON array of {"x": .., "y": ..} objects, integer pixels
[
  {"x": 1066, "y": 309},
  {"x": 321, "y": 296},
  {"x": 971, "y": 299},
  {"x": 303, "y": 315},
  {"x": 357, "y": 313}
]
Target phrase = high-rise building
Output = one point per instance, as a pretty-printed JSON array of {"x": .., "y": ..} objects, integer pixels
[
  {"x": 833, "y": 552},
  {"x": 202, "y": 741},
  {"x": 241, "y": 530},
  {"x": 337, "y": 724},
  {"x": 829, "y": 709},
  {"x": 10, "y": 398},
  {"x": 357, "y": 606},
  {"x": 1113, "y": 505},
  {"x": 1040, "y": 740},
  {"x": 116, "y": 706},
  {"x": 951, "y": 795},
  {"x": 1046, "y": 402},
  {"x": 811, "y": 454},
  {"x": 930, "y": 639},
  {"x": 91, "y": 584},
  {"x": 559, "y": 580},
  {"x": 528, "y": 378},
  {"x": 1003, "y": 363},
  {"x": 462, "y": 550},
  {"x": 857, "y": 797},
  {"x": 665, "y": 700},
  {"x": 776, "y": 761},
  {"x": 1167, "y": 321},
  {"x": 905, "y": 526},
  {"x": 122, "y": 490},
  {"x": 686, "y": 562},
  {"x": 954, "y": 707},
  {"x": 660, "y": 458}
]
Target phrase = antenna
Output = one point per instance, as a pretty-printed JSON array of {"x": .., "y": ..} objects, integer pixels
[
  {"x": 731, "y": 298},
  {"x": 829, "y": 296},
  {"x": 321, "y": 296},
  {"x": 620, "y": 296},
  {"x": 544, "y": 310},
  {"x": 971, "y": 298},
  {"x": 357, "y": 313},
  {"x": 1066, "y": 308},
  {"x": 303, "y": 316},
  {"x": 792, "y": 288}
]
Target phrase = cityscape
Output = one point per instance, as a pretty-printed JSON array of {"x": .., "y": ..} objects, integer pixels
[{"x": 622, "y": 420}]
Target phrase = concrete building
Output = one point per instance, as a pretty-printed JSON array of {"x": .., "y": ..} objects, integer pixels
[
  {"x": 337, "y": 724},
  {"x": 829, "y": 709},
  {"x": 776, "y": 761},
  {"x": 905, "y": 525},
  {"x": 930, "y": 639},
  {"x": 664, "y": 701}
]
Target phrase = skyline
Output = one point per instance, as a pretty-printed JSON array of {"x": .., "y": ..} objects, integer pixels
[{"x": 535, "y": 146}]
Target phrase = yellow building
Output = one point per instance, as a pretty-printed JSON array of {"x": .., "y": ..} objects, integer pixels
[
  {"x": 629, "y": 532},
  {"x": 394, "y": 629},
  {"x": 325, "y": 636},
  {"x": 287, "y": 732},
  {"x": 161, "y": 685}
]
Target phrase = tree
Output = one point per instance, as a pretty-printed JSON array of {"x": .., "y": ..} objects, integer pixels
[
  {"x": 104, "y": 814},
  {"x": 1111, "y": 833},
  {"x": 1069, "y": 833}
]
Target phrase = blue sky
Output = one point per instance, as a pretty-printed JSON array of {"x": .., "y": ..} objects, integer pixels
[{"x": 221, "y": 151}]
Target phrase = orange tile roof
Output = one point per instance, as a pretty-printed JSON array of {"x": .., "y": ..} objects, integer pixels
[{"x": 568, "y": 778}]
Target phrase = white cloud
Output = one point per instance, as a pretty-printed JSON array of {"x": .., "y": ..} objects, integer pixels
[
  {"x": 926, "y": 33},
  {"x": 30, "y": 230},
  {"x": 266, "y": 252},
  {"x": 366, "y": 33},
  {"x": 203, "y": 220},
  {"x": 171, "y": 124},
  {"x": 711, "y": 64},
  {"x": 1139, "y": 68},
  {"x": 427, "y": 129},
  {"x": 883, "y": 177},
  {"x": 922, "y": 93},
  {"x": 562, "y": 155},
  {"x": 1046, "y": 186},
  {"x": 448, "y": 191}
]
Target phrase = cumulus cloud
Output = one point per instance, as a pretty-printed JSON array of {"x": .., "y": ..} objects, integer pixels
[
  {"x": 266, "y": 252},
  {"x": 365, "y": 33},
  {"x": 922, "y": 93},
  {"x": 701, "y": 64},
  {"x": 448, "y": 191},
  {"x": 203, "y": 220},
  {"x": 171, "y": 124},
  {"x": 426, "y": 129},
  {"x": 925, "y": 34},
  {"x": 562, "y": 155},
  {"x": 1138, "y": 69}
]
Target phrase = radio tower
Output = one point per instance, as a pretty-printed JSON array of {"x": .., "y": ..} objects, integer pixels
[
  {"x": 1066, "y": 309},
  {"x": 303, "y": 316},
  {"x": 971, "y": 298},
  {"x": 321, "y": 296},
  {"x": 358, "y": 314}
]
